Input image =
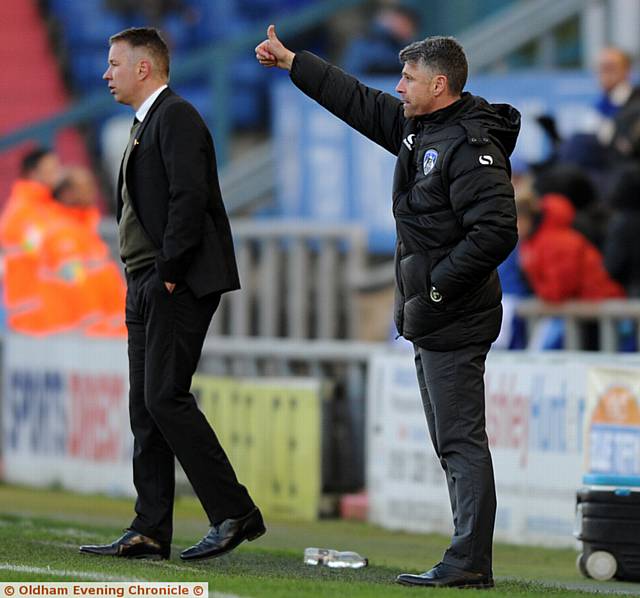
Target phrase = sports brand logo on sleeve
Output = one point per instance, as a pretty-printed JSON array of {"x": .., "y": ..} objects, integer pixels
[
  {"x": 409, "y": 140},
  {"x": 429, "y": 160}
]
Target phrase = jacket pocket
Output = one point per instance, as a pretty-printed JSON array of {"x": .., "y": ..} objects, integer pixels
[{"x": 415, "y": 274}]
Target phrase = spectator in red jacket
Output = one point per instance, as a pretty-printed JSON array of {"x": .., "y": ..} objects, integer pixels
[{"x": 559, "y": 262}]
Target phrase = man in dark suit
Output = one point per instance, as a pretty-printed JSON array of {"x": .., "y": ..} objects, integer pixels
[{"x": 176, "y": 245}]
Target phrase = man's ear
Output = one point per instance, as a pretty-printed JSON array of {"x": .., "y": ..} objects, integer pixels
[
  {"x": 144, "y": 69},
  {"x": 440, "y": 85}
]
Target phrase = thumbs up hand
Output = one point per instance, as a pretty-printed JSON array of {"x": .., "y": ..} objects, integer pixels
[{"x": 271, "y": 52}]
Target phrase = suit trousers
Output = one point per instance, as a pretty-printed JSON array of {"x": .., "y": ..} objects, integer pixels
[
  {"x": 166, "y": 332},
  {"x": 452, "y": 390}
]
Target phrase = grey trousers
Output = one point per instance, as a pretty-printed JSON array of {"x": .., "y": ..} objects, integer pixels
[{"x": 452, "y": 390}]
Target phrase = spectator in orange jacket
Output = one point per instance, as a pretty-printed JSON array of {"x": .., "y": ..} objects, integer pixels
[
  {"x": 59, "y": 274},
  {"x": 28, "y": 211},
  {"x": 74, "y": 250},
  {"x": 77, "y": 285},
  {"x": 77, "y": 192},
  {"x": 31, "y": 202},
  {"x": 559, "y": 262}
]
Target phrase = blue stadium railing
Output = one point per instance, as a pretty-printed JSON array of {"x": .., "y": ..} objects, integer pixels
[{"x": 214, "y": 60}]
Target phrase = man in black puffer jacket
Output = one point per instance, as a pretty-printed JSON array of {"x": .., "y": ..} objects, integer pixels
[{"x": 456, "y": 222}]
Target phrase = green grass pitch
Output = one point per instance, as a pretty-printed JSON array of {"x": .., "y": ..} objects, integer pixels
[{"x": 40, "y": 531}]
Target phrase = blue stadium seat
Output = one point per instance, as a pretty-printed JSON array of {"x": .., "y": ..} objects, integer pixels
[
  {"x": 218, "y": 20},
  {"x": 87, "y": 25},
  {"x": 179, "y": 34},
  {"x": 246, "y": 108},
  {"x": 200, "y": 96},
  {"x": 258, "y": 10},
  {"x": 87, "y": 68}
]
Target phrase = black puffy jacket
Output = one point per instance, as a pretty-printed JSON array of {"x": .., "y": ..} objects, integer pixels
[
  {"x": 452, "y": 201},
  {"x": 626, "y": 129}
]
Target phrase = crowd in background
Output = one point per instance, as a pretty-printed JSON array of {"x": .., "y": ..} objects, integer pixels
[
  {"x": 58, "y": 274},
  {"x": 578, "y": 211},
  {"x": 579, "y": 214}
]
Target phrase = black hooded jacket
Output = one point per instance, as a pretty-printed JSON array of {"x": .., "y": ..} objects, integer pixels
[
  {"x": 452, "y": 201},
  {"x": 621, "y": 250}
]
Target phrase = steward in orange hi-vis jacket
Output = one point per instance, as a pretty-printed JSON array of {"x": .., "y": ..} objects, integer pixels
[
  {"x": 59, "y": 275},
  {"x": 30, "y": 208}
]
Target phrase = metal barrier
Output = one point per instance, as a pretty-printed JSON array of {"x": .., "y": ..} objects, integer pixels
[
  {"x": 605, "y": 314},
  {"x": 250, "y": 181},
  {"x": 520, "y": 23},
  {"x": 299, "y": 279},
  {"x": 296, "y": 279}
]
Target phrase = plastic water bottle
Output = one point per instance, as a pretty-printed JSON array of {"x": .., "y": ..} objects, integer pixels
[{"x": 335, "y": 559}]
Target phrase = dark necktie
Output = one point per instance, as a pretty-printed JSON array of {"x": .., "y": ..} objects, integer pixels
[
  {"x": 134, "y": 128},
  {"x": 127, "y": 152},
  {"x": 132, "y": 139}
]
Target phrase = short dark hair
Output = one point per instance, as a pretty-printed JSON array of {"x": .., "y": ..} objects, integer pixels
[
  {"x": 149, "y": 38},
  {"x": 444, "y": 55},
  {"x": 31, "y": 160}
]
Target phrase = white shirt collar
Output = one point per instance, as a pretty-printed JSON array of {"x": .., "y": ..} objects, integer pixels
[{"x": 146, "y": 105}]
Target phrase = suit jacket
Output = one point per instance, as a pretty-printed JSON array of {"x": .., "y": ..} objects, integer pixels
[{"x": 173, "y": 184}]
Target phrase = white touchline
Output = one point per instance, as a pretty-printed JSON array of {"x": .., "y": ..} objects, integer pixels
[
  {"x": 89, "y": 575},
  {"x": 165, "y": 565}
]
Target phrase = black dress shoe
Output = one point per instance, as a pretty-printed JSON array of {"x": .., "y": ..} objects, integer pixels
[
  {"x": 225, "y": 536},
  {"x": 447, "y": 576},
  {"x": 132, "y": 545}
]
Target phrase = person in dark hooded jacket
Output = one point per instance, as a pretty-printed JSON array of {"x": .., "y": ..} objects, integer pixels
[
  {"x": 621, "y": 248},
  {"x": 456, "y": 222}
]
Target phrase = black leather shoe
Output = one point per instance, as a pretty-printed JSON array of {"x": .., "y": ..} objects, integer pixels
[
  {"x": 132, "y": 545},
  {"x": 447, "y": 576},
  {"x": 226, "y": 536}
]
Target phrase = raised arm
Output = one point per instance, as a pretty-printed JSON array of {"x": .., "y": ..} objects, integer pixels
[{"x": 375, "y": 114}]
